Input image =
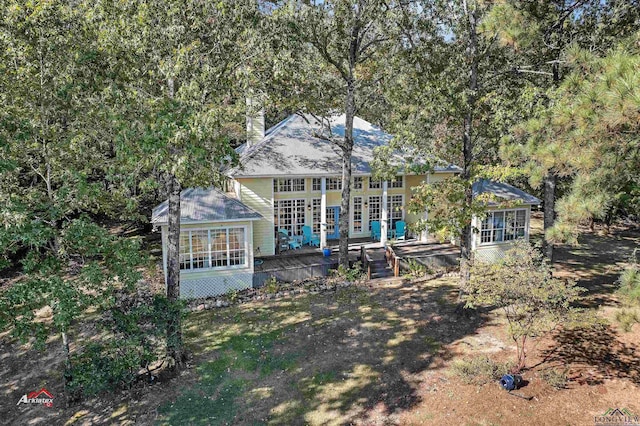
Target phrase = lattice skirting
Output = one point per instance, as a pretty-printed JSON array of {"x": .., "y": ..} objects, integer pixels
[
  {"x": 491, "y": 254},
  {"x": 214, "y": 285}
]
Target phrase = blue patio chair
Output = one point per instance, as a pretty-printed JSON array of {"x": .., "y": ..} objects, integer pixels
[
  {"x": 294, "y": 243},
  {"x": 401, "y": 230},
  {"x": 284, "y": 231},
  {"x": 375, "y": 230},
  {"x": 310, "y": 238}
]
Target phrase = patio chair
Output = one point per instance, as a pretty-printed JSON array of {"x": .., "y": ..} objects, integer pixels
[
  {"x": 310, "y": 238},
  {"x": 375, "y": 230},
  {"x": 294, "y": 243},
  {"x": 401, "y": 230},
  {"x": 283, "y": 241},
  {"x": 284, "y": 231}
]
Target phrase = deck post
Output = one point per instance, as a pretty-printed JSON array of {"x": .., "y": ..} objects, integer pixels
[
  {"x": 424, "y": 235},
  {"x": 383, "y": 214},
  {"x": 323, "y": 212}
]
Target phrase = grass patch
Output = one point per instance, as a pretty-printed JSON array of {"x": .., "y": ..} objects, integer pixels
[
  {"x": 310, "y": 386},
  {"x": 479, "y": 370},
  {"x": 555, "y": 378},
  {"x": 213, "y": 399}
]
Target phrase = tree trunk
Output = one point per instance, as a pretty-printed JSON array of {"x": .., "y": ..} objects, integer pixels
[
  {"x": 347, "y": 148},
  {"x": 467, "y": 151},
  {"x": 549, "y": 211},
  {"x": 174, "y": 331}
]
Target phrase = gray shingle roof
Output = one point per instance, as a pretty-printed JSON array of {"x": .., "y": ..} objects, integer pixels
[
  {"x": 292, "y": 147},
  {"x": 503, "y": 190},
  {"x": 205, "y": 205}
]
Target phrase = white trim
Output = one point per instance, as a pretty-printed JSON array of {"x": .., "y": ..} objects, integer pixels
[
  {"x": 384, "y": 222},
  {"x": 288, "y": 192},
  {"x": 323, "y": 212},
  {"x": 193, "y": 222},
  {"x": 353, "y": 211},
  {"x": 320, "y": 175},
  {"x": 247, "y": 252},
  {"x": 498, "y": 243}
]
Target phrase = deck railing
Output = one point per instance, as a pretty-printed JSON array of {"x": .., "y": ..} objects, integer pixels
[
  {"x": 366, "y": 261},
  {"x": 394, "y": 261}
]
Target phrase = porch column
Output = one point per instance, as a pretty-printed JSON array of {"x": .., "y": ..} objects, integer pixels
[
  {"x": 323, "y": 212},
  {"x": 383, "y": 219},
  {"x": 424, "y": 235}
]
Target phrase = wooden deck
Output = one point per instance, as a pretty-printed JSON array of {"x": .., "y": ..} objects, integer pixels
[
  {"x": 430, "y": 254},
  {"x": 309, "y": 262},
  {"x": 354, "y": 244}
]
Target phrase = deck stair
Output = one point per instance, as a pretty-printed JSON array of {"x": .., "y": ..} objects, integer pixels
[{"x": 379, "y": 266}]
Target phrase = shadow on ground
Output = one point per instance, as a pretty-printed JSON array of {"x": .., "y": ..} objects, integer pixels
[
  {"x": 596, "y": 353},
  {"x": 347, "y": 354},
  {"x": 596, "y": 263}
]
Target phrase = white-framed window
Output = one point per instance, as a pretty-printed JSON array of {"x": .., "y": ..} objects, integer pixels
[
  {"x": 356, "y": 183},
  {"x": 334, "y": 184},
  {"x": 397, "y": 182},
  {"x": 221, "y": 248},
  {"x": 316, "y": 184},
  {"x": 289, "y": 185},
  {"x": 503, "y": 226},
  {"x": 375, "y": 184},
  {"x": 394, "y": 209},
  {"x": 317, "y": 215},
  {"x": 289, "y": 215},
  {"x": 375, "y": 207},
  {"x": 357, "y": 214}
]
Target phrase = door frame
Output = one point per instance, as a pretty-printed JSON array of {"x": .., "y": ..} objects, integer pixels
[{"x": 336, "y": 218}]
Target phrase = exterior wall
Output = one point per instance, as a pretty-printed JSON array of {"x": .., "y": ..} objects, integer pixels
[
  {"x": 494, "y": 251},
  {"x": 213, "y": 282},
  {"x": 257, "y": 193}
]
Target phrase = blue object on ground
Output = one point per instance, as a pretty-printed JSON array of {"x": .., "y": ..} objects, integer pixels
[
  {"x": 326, "y": 252},
  {"x": 510, "y": 382}
]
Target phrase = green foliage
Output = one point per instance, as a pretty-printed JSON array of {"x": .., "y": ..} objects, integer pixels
[
  {"x": 355, "y": 273},
  {"x": 629, "y": 291},
  {"x": 629, "y": 282},
  {"x": 416, "y": 269},
  {"x": 627, "y": 318},
  {"x": 233, "y": 295},
  {"x": 133, "y": 330},
  {"x": 554, "y": 378},
  {"x": 479, "y": 370},
  {"x": 448, "y": 209},
  {"x": 241, "y": 355},
  {"x": 271, "y": 285},
  {"x": 522, "y": 286}
]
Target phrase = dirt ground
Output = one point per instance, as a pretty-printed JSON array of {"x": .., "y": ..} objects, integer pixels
[{"x": 375, "y": 354}]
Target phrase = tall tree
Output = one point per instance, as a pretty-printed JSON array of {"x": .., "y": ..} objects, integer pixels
[
  {"x": 348, "y": 38},
  {"x": 175, "y": 74},
  {"x": 50, "y": 173},
  {"x": 540, "y": 33},
  {"x": 595, "y": 121},
  {"x": 454, "y": 100}
]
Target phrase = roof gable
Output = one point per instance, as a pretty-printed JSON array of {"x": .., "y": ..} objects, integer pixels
[
  {"x": 503, "y": 190},
  {"x": 205, "y": 205}
]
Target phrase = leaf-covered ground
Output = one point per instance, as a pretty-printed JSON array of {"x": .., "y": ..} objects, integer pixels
[{"x": 374, "y": 354}]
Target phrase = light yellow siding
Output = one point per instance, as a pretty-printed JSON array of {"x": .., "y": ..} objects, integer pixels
[{"x": 257, "y": 193}]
